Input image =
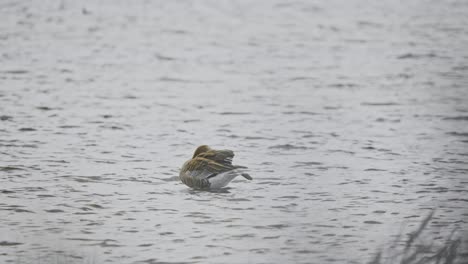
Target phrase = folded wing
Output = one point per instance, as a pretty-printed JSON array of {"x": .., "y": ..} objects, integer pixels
[
  {"x": 203, "y": 168},
  {"x": 223, "y": 157}
]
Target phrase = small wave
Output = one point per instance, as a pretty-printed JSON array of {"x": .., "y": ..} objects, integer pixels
[
  {"x": 300, "y": 113},
  {"x": 372, "y": 222},
  {"x": 416, "y": 56},
  {"x": 287, "y": 147},
  {"x": 332, "y": 107},
  {"x": 239, "y": 200},
  {"x": 9, "y": 244},
  {"x": 273, "y": 226},
  {"x": 342, "y": 85},
  {"x": 191, "y": 120},
  {"x": 18, "y": 71},
  {"x": 456, "y": 118},
  {"x": 88, "y": 178},
  {"x": 383, "y": 120},
  {"x": 145, "y": 245},
  {"x": 269, "y": 183},
  {"x": 341, "y": 151},
  {"x": 257, "y": 138},
  {"x": 458, "y": 134},
  {"x": 22, "y": 211},
  {"x": 306, "y": 163},
  {"x": 5, "y": 118},
  {"x": 46, "y": 108},
  {"x": 27, "y": 129},
  {"x": 364, "y": 23},
  {"x": 114, "y": 127},
  {"x": 45, "y": 196},
  {"x": 55, "y": 211},
  {"x": 235, "y": 113},
  {"x": 379, "y": 103},
  {"x": 301, "y": 78},
  {"x": 164, "y": 57},
  {"x": 10, "y": 168},
  {"x": 289, "y": 197},
  {"x": 107, "y": 243},
  {"x": 180, "y": 80},
  {"x": 373, "y": 169}
]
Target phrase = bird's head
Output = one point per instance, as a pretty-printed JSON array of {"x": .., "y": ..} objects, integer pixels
[{"x": 201, "y": 149}]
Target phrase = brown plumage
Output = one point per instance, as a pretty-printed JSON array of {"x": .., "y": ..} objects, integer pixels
[{"x": 210, "y": 169}]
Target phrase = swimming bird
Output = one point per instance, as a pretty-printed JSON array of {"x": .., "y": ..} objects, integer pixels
[{"x": 210, "y": 169}]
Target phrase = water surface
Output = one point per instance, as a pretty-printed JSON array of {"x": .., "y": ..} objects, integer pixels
[{"x": 351, "y": 115}]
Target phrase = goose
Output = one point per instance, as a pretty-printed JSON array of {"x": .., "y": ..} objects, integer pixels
[{"x": 210, "y": 169}]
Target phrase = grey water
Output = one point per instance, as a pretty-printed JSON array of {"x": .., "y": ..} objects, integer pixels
[{"x": 352, "y": 117}]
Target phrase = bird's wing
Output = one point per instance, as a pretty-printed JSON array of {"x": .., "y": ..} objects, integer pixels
[
  {"x": 223, "y": 157},
  {"x": 203, "y": 168}
]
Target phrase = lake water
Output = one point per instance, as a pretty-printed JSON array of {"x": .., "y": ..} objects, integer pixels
[{"x": 351, "y": 115}]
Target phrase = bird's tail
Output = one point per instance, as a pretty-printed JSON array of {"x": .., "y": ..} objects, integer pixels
[{"x": 247, "y": 176}]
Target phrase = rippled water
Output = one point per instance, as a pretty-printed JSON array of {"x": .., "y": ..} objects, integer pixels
[{"x": 351, "y": 115}]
